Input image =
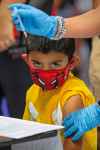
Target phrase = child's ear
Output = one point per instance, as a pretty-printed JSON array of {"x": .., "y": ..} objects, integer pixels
[{"x": 74, "y": 62}]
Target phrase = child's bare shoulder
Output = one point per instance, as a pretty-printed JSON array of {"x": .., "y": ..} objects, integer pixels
[{"x": 74, "y": 103}]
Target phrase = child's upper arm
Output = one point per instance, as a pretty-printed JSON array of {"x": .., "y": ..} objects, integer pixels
[{"x": 74, "y": 103}]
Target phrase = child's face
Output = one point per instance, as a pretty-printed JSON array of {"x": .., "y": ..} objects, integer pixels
[
  {"x": 49, "y": 71},
  {"x": 49, "y": 61}
]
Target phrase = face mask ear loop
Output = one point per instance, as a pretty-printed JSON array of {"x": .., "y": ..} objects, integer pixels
[{"x": 68, "y": 65}]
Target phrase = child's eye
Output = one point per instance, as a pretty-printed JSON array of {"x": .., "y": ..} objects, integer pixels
[
  {"x": 37, "y": 64},
  {"x": 55, "y": 65}
]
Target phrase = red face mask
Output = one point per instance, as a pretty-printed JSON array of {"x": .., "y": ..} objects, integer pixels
[{"x": 50, "y": 79}]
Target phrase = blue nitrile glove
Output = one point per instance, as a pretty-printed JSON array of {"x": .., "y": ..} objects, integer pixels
[
  {"x": 77, "y": 123},
  {"x": 35, "y": 21}
]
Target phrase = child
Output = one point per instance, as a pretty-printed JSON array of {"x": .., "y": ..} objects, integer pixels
[{"x": 56, "y": 91}]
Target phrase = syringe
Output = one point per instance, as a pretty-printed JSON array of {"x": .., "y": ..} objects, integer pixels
[
  {"x": 20, "y": 21},
  {"x": 22, "y": 28}
]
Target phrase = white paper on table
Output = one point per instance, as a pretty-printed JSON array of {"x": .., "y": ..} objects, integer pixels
[{"x": 18, "y": 128}]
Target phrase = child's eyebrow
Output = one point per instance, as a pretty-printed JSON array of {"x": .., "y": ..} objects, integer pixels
[
  {"x": 57, "y": 61},
  {"x": 36, "y": 61}
]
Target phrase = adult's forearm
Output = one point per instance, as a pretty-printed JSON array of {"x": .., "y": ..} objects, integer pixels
[
  {"x": 5, "y": 20},
  {"x": 6, "y": 26},
  {"x": 83, "y": 26}
]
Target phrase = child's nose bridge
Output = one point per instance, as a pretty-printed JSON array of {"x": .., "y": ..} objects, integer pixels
[{"x": 46, "y": 67}]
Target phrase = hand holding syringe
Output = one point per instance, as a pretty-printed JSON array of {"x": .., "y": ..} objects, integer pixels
[
  {"x": 20, "y": 21},
  {"x": 23, "y": 28}
]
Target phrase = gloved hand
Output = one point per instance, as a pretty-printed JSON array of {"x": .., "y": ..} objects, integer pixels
[
  {"x": 35, "y": 21},
  {"x": 77, "y": 123}
]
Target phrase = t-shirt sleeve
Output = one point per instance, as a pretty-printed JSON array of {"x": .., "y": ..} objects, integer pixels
[{"x": 86, "y": 96}]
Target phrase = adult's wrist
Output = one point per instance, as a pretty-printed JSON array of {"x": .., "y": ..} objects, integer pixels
[{"x": 60, "y": 31}]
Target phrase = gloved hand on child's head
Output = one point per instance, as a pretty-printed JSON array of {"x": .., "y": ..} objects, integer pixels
[{"x": 35, "y": 21}]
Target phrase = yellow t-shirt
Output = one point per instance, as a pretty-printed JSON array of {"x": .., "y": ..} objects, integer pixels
[{"x": 46, "y": 106}]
